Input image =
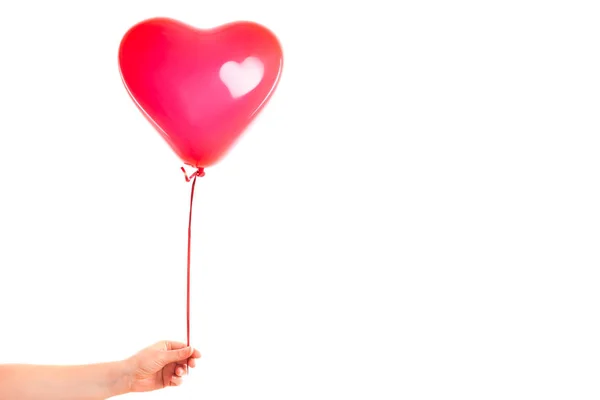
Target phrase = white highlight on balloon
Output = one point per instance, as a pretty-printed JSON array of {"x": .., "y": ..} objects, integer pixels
[{"x": 242, "y": 78}]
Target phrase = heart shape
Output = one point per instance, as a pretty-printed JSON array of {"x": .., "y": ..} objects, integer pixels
[
  {"x": 200, "y": 88},
  {"x": 242, "y": 78}
]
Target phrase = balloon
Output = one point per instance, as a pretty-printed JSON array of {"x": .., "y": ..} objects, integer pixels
[{"x": 200, "y": 88}]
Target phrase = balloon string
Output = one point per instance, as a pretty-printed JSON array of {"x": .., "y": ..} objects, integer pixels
[{"x": 198, "y": 173}]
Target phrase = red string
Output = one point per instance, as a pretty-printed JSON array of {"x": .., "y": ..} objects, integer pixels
[{"x": 198, "y": 173}]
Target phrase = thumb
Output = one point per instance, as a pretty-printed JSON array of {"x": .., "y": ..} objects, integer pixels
[{"x": 172, "y": 356}]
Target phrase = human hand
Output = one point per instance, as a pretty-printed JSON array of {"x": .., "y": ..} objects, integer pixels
[{"x": 160, "y": 365}]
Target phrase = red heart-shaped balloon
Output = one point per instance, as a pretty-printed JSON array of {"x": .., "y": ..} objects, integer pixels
[{"x": 200, "y": 88}]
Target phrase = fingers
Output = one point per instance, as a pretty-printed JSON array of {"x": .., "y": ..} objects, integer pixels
[
  {"x": 191, "y": 362},
  {"x": 180, "y": 371},
  {"x": 172, "y": 345},
  {"x": 195, "y": 354},
  {"x": 176, "y": 380},
  {"x": 171, "y": 356},
  {"x": 169, "y": 345}
]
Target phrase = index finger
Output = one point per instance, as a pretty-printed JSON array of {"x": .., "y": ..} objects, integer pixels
[{"x": 195, "y": 354}]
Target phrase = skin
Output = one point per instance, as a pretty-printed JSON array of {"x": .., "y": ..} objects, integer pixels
[{"x": 158, "y": 366}]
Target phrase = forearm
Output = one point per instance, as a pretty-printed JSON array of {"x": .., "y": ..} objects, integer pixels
[{"x": 77, "y": 382}]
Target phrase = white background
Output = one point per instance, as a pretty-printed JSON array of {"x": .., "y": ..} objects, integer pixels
[{"x": 414, "y": 215}]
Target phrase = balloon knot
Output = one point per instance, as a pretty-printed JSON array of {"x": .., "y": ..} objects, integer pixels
[{"x": 198, "y": 173}]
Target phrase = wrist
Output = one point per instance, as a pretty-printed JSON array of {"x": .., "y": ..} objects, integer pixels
[{"x": 120, "y": 379}]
